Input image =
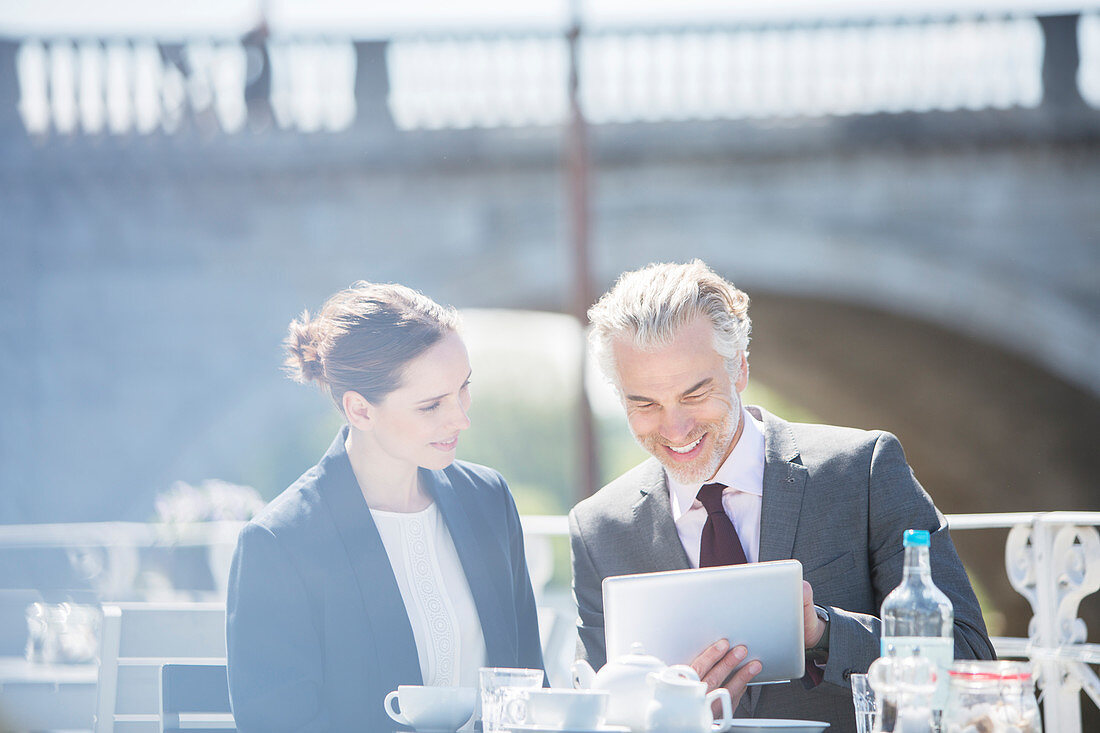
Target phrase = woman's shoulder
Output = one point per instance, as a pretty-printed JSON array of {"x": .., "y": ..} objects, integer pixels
[
  {"x": 296, "y": 509},
  {"x": 476, "y": 474},
  {"x": 474, "y": 483}
]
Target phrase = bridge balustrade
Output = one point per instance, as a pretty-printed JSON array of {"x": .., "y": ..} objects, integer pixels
[{"x": 807, "y": 65}]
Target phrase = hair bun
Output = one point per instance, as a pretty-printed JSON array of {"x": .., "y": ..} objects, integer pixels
[{"x": 303, "y": 358}]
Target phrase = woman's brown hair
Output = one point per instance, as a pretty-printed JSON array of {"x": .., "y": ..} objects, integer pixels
[{"x": 363, "y": 337}]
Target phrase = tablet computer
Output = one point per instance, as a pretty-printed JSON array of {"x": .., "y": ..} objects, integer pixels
[{"x": 676, "y": 614}]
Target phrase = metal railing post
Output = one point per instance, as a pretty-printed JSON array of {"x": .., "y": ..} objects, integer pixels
[{"x": 1054, "y": 563}]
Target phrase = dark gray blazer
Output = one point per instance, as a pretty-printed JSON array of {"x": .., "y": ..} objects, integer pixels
[
  {"x": 316, "y": 629},
  {"x": 837, "y": 500}
]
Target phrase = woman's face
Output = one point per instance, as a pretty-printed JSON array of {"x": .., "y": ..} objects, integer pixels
[{"x": 419, "y": 422}]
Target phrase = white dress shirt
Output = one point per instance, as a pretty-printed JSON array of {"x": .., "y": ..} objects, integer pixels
[
  {"x": 441, "y": 610},
  {"x": 743, "y": 474}
]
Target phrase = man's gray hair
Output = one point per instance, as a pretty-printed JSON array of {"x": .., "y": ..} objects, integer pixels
[{"x": 648, "y": 305}]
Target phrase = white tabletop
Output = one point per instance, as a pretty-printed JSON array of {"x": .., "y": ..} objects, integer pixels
[{"x": 18, "y": 669}]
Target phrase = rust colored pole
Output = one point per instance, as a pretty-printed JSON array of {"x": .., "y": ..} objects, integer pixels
[{"x": 577, "y": 168}]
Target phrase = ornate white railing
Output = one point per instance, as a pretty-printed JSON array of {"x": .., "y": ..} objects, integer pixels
[
  {"x": 1054, "y": 562},
  {"x": 1052, "y": 559}
]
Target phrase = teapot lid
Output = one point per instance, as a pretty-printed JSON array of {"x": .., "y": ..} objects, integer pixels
[{"x": 678, "y": 675}]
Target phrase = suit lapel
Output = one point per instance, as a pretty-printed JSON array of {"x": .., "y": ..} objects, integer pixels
[
  {"x": 660, "y": 549},
  {"x": 784, "y": 485},
  {"x": 385, "y": 610},
  {"x": 486, "y": 575}
]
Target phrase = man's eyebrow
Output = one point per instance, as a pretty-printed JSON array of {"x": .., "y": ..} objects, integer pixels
[
  {"x": 697, "y": 387},
  {"x": 685, "y": 393},
  {"x": 439, "y": 397}
]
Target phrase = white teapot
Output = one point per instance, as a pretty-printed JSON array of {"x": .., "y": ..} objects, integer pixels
[
  {"x": 625, "y": 679},
  {"x": 681, "y": 704}
]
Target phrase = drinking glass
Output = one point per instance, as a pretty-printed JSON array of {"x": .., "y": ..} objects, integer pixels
[
  {"x": 863, "y": 697},
  {"x": 40, "y": 645},
  {"x": 498, "y": 686}
]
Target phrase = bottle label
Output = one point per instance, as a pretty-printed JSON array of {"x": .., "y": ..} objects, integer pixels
[{"x": 940, "y": 650}]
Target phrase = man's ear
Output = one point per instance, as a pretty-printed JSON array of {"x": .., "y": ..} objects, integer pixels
[
  {"x": 743, "y": 375},
  {"x": 359, "y": 412}
]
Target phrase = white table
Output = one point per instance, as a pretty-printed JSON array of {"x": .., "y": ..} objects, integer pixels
[{"x": 36, "y": 697}]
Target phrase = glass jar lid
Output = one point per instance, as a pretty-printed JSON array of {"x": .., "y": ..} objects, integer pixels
[{"x": 1000, "y": 671}]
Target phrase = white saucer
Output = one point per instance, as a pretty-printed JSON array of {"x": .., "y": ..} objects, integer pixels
[
  {"x": 776, "y": 725},
  {"x": 524, "y": 728}
]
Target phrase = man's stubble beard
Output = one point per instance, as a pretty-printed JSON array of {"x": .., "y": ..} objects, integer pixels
[{"x": 719, "y": 435}]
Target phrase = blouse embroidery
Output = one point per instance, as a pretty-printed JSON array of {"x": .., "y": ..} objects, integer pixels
[
  {"x": 431, "y": 598},
  {"x": 435, "y": 593}
]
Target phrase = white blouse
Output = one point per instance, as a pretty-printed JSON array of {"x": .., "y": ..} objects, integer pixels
[{"x": 441, "y": 610}]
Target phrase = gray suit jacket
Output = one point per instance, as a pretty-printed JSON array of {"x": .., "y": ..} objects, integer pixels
[{"x": 837, "y": 500}]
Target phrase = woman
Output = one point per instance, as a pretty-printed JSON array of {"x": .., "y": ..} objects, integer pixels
[{"x": 388, "y": 563}]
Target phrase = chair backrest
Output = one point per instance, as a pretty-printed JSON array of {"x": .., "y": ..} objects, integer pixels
[
  {"x": 136, "y": 639},
  {"x": 558, "y": 634},
  {"x": 194, "y": 697}
]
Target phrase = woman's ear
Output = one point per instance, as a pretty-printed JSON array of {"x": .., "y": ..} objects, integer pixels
[{"x": 357, "y": 410}]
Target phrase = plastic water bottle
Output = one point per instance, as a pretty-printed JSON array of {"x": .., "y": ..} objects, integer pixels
[{"x": 917, "y": 615}]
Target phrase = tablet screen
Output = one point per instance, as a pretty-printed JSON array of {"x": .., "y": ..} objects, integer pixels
[{"x": 676, "y": 614}]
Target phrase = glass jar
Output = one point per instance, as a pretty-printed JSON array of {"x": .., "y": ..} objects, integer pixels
[{"x": 992, "y": 697}]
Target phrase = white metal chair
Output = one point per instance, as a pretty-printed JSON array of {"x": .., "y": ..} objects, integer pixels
[
  {"x": 136, "y": 640},
  {"x": 195, "y": 697},
  {"x": 558, "y": 632}
]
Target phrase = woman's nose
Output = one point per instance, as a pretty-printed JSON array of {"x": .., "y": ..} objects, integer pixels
[{"x": 459, "y": 417}]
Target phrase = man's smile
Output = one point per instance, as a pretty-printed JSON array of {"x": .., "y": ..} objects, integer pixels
[{"x": 689, "y": 451}]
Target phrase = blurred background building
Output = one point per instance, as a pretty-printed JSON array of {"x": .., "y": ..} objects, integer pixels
[{"x": 908, "y": 190}]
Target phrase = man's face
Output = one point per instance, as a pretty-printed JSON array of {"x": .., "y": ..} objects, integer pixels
[{"x": 680, "y": 402}]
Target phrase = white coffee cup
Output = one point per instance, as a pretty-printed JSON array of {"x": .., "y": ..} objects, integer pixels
[
  {"x": 431, "y": 708},
  {"x": 560, "y": 708}
]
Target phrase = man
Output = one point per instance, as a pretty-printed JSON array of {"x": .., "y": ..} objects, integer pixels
[{"x": 673, "y": 340}]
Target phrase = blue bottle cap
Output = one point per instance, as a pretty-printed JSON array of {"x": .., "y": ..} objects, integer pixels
[{"x": 915, "y": 538}]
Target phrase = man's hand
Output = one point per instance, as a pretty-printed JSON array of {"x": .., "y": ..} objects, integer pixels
[
  {"x": 717, "y": 661},
  {"x": 813, "y": 626}
]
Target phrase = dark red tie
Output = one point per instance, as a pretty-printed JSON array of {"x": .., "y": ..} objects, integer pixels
[{"x": 720, "y": 544}]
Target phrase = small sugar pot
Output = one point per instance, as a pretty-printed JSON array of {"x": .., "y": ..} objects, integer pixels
[
  {"x": 991, "y": 697},
  {"x": 681, "y": 703}
]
